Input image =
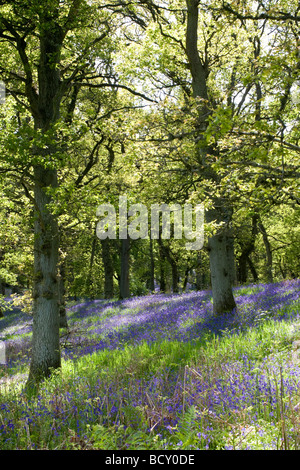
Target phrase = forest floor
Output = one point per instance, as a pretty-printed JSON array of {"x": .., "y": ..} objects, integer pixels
[{"x": 161, "y": 372}]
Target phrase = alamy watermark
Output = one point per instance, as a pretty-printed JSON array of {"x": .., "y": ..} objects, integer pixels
[
  {"x": 2, "y": 353},
  {"x": 133, "y": 222}
]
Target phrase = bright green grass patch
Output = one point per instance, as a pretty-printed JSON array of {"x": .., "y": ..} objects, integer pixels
[{"x": 257, "y": 342}]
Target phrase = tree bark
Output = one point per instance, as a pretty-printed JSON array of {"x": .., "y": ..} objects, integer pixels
[
  {"x": 175, "y": 278},
  {"x": 186, "y": 278},
  {"x": 63, "y": 321},
  {"x": 151, "y": 279},
  {"x": 45, "y": 338},
  {"x": 2, "y": 288},
  {"x": 108, "y": 269},
  {"x": 89, "y": 279},
  {"x": 247, "y": 249},
  {"x": 162, "y": 274},
  {"x": 220, "y": 258},
  {"x": 124, "y": 277},
  {"x": 167, "y": 253},
  {"x": 200, "y": 281},
  {"x": 252, "y": 269},
  {"x": 231, "y": 255},
  {"x": 269, "y": 258},
  {"x": 243, "y": 258},
  {"x": 223, "y": 300}
]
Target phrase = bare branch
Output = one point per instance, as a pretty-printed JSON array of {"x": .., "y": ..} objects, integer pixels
[
  {"x": 116, "y": 85},
  {"x": 278, "y": 16},
  {"x": 91, "y": 162}
]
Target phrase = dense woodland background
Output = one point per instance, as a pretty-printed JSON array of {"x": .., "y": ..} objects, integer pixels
[{"x": 162, "y": 101}]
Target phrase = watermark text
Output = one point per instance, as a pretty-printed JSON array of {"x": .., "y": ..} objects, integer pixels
[{"x": 133, "y": 222}]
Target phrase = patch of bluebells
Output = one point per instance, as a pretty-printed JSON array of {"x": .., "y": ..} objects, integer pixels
[
  {"x": 177, "y": 317},
  {"x": 183, "y": 317}
]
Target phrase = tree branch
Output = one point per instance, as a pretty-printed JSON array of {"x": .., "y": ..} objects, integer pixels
[
  {"x": 279, "y": 16},
  {"x": 115, "y": 85},
  {"x": 91, "y": 162}
]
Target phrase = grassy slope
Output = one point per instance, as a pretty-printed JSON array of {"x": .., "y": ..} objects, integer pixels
[{"x": 161, "y": 372}]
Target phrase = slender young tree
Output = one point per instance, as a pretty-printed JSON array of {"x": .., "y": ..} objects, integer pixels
[
  {"x": 124, "y": 262},
  {"x": 107, "y": 260}
]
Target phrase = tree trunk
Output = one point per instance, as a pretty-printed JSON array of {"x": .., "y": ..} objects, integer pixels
[
  {"x": 89, "y": 278},
  {"x": 151, "y": 279},
  {"x": 247, "y": 249},
  {"x": 199, "y": 272},
  {"x": 63, "y": 322},
  {"x": 243, "y": 267},
  {"x": 252, "y": 269},
  {"x": 269, "y": 260},
  {"x": 162, "y": 274},
  {"x": 2, "y": 284},
  {"x": 219, "y": 245},
  {"x": 108, "y": 269},
  {"x": 220, "y": 259},
  {"x": 175, "y": 287},
  {"x": 167, "y": 253},
  {"x": 45, "y": 108},
  {"x": 282, "y": 268},
  {"x": 223, "y": 300},
  {"x": 45, "y": 338},
  {"x": 124, "y": 278},
  {"x": 186, "y": 278},
  {"x": 231, "y": 256}
]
